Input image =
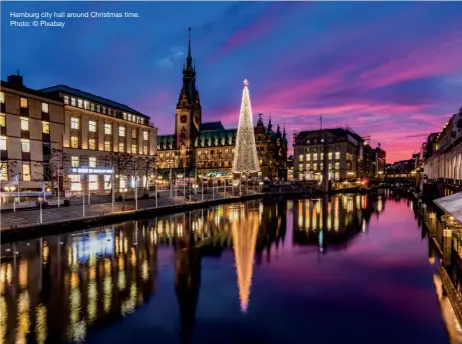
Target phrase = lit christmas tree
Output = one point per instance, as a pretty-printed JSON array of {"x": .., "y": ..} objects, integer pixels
[{"x": 245, "y": 154}]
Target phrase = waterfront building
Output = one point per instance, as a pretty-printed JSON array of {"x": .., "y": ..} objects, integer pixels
[
  {"x": 198, "y": 148},
  {"x": 443, "y": 156},
  {"x": 340, "y": 148},
  {"x": 31, "y": 126},
  {"x": 95, "y": 127}
]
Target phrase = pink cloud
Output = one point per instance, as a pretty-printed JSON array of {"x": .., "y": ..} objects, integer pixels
[{"x": 435, "y": 57}]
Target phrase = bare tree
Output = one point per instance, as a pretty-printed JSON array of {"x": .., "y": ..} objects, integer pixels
[
  {"x": 9, "y": 166},
  {"x": 122, "y": 163},
  {"x": 52, "y": 167},
  {"x": 145, "y": 165}
]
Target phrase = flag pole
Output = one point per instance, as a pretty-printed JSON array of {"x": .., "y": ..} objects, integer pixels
[
  {"x": 18, "y": 192},
  {"x": 83, "y": 195},
  {"x": 57, "y": 177},
  {"x": 136, "y": 190},
  {"x": 113, "y": 187},
  {"x": 155, "y": 185}
]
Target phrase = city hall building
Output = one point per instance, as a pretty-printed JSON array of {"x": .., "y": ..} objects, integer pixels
[{"x": 207, "y": 149}]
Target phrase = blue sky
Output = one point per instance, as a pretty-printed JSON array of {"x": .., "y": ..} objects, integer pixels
[{"x": 387, "y": 70}]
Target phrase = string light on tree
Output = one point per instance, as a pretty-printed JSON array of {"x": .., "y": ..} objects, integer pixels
[{"x": 245, "y": 154}]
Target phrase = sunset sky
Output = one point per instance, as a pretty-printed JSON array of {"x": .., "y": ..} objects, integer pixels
[{"x": 387, "y": 70}]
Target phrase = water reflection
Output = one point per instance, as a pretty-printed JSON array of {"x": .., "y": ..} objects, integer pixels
[{"x": 60, "y": 288}]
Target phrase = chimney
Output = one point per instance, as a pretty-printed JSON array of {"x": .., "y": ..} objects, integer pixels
[{"x": 16, "y": 80}]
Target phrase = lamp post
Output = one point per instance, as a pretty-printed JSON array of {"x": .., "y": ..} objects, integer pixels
[
  {"x": 12, "y": 188},
  {"x": 83, "y": 195},
  {"x": 195, "y": 186},
  {"x": 202, "y": 182},
  {"x": 123, "y": 198},
  {"x": 155, "y": 188}
]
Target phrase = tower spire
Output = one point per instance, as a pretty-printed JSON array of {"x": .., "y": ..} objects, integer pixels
[{"x": 189, "y": 58}]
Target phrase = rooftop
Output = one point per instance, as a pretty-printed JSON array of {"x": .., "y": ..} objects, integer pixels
[
  {"x": 25, "y": 89},
  {"x": 97, "y": 99}
]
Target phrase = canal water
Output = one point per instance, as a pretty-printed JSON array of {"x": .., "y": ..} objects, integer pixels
[{"x": 351, "y": 269}]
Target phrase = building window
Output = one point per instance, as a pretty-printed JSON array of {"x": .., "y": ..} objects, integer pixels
[
  {"x": 24, "y": 103},
  {"x": 145, "y": 150},
  {"x": 322, "y": 156},
  {"x": 307, "y": 167},
  {"x": 26, "y": 171},
  {"x": 45, "y": 107},
  {"x": 92, "y": 144},
  {"x": 25, "y": 146},
  {"x": 107, "y": 128},
  {"x": 66, "y": 99},
  {"x": 300, "y": 157},
  {"x": 315, "y": 156},
  {"x": 75, "y": 182},
  {"x": 92, "y": 126},
  {"x": 45, "y": 127},
  {"x": 104, "y": 110},
  {"x": 121, "y": 131},
  {"x": 79, "y": 103},
  {"x": 107, "y": 182},
  {"x": 92, "y": 107},
  {"x": 129, "y": 116},
  {"x": 124, "y": 115},
  {"x": 24, "y": 124},
  {"x": 134, "y": 149},
  {"x": 98, "y": 108},
  {"x": 74, "y": 142},
  {"x": 93, "y": 181},
  {"x": 2, "y": 120},
  {"x": 330, "y": 155},
  {"x": 121, "y": 147},
  {"x": 337, "y": 155},
  {"x": 2, "y": 97},
  {"x": 315, "y": 167},
  {"x": 308, "y": 157},
  {"x": 107, "y": 146},
  {"x": 92, "y": 161},
  {"x": 75, "y": 161},
  {"x": 86, "y": 104},
  {"x": 134, "y": 133},
  {"x": 145, "y": 135},
  {"x": 73, "y": 101},
  {"x": 337, "y": 165},
  {"x": 75, "y": 123},
  {"x": 3, "y": 143}
]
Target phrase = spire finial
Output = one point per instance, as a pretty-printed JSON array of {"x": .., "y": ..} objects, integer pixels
[{"x": 246, "y": 82}]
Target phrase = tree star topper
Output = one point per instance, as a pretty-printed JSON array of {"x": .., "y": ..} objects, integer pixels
[{"x": 246, "y": 82}]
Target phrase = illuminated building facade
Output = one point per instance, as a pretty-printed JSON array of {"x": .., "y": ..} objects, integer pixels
[
  {"x": 31, "y": 123},
  {"x": 344, "y": 149},
  {"x": 95, "y": 127},
  {"x": 204, "y": 148}
]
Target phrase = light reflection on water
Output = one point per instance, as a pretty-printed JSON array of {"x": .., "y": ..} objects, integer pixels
[{"x": 72, "y": 287}]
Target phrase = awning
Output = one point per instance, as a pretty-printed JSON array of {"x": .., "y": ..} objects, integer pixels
[{"x": 451, "y": 205}]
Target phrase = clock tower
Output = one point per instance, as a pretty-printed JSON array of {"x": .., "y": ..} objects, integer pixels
[{"x": 188, "y": 114}]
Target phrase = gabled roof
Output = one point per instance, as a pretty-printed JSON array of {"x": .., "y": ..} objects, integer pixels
[
  {"x": 88, "y": 96},
  {"x": 212, "y": 126}
]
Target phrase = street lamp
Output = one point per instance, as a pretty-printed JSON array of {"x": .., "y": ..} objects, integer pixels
[{"x": 123, "y": 198}]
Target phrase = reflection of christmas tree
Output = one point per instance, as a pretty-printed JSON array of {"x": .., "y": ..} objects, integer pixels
[
  {"x": 244, "y": 233},
  {"x": 245, "y": 154}
]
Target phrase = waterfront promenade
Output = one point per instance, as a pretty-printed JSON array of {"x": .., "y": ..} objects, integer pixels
[{"x": 31, "y": 217}]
